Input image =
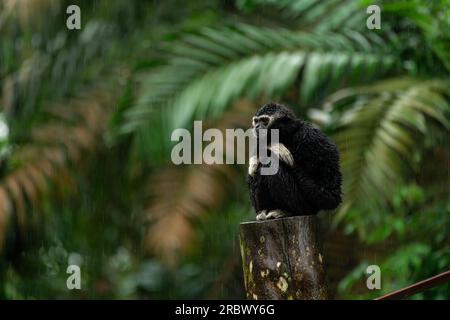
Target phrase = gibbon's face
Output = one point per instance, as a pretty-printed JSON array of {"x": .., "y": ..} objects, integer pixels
[
  {"x": 269, "y": 114},
  {"x": 261, "y": 122}
]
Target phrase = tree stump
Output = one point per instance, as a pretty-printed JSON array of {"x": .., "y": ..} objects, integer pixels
[{"x": 282, "y": 259}]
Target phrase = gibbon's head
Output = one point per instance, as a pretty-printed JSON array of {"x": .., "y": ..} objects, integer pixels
[{"x": 269, "y": 115}]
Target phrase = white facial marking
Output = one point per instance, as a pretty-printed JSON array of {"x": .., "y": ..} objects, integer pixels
[{"x": 265, "y": 120}]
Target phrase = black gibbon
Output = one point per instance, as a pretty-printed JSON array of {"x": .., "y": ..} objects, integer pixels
[{"x": 308, "y": 178}]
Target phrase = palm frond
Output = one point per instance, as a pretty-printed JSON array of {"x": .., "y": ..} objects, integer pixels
[
  {"x": 382, "y": 129},
  {"x": 319, "y": 15},
  {"x": 29, "y": 12},
  {"x": 74, "y": 132},
  {"x": 433, "y": 19},
  {"x": 208, "y": 71},
  {"x": 5, "y": 214},
  {"x": 30, "y": 73},
  {"x": 180, "y": 196}
]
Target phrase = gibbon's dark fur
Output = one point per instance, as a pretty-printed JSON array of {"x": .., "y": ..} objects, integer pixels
[{"x": 312, "y": 184}]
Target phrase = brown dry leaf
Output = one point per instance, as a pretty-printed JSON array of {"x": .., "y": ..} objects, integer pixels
[
  {"x": 5, "y": 213},
  {"x": 179, "y": 195},
  {"x": 170, "y": 235},
  {"x": 54, "y": 147},
  {"x": 13, "y": 185},
  {"x": 30, "y": 12}
]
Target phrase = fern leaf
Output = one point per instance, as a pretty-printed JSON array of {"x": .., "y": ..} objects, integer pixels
[
  {"x": 382, "y": 128},
  {"x": 205, "y": 73}
]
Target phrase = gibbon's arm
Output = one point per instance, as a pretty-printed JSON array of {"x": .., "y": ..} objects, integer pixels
[{"x": 282, "y": 153}]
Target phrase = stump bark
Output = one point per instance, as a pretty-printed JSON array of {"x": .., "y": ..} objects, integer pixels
[{"x": 282, "y": 259}]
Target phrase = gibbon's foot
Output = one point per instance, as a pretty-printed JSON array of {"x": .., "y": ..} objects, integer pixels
[
  {"x": 261, "y": 215},
  {"x": 274, "y": 214},
  {"x": 282, "y": 153},
  {"x": 252, "y": 165}
]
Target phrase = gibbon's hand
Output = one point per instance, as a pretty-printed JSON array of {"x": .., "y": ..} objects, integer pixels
[
  {"x": 253, "y": 165},
  {"x": 282, "y": 153}
]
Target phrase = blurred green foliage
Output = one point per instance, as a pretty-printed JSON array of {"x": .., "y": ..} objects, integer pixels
[{"x": 85, "y": 126}]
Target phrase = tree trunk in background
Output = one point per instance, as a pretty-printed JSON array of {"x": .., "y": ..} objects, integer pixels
[{"x": 282, "y": 259}]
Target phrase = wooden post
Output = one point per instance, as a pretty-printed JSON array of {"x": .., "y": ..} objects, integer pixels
[{"x": 282, "y": 259}]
